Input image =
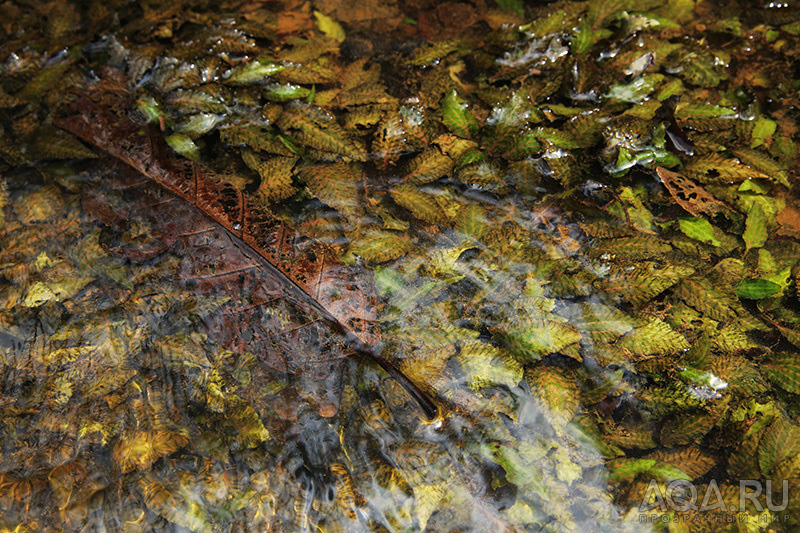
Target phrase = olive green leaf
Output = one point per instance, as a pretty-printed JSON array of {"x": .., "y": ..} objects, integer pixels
[
  {"x": 335, "y": 185},
  {"x": 184, "y": 145},
  {"x": 252, "y": 72},
  {"x": 283, "y": 92},
  {"x": 428, "y": 166},
  {"x": 457, "y": 116},
  {"x": 487, "y": 366},
  {"x": 377, "y": 246},
  {"x": 654, "y": 338},
  {"x": 699, "y": 229},
  {"x": 763, "y": 163},
  {"x": 421, "y": 204},
  {"x": 275, "y": 173},
  {"x": 757, "y": 289},
  {"x": 783, "y": 370},
  {"x": 755, "y": 232}
]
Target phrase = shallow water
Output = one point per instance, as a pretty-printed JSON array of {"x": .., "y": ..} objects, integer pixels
[{"x": 594, "y": 280}]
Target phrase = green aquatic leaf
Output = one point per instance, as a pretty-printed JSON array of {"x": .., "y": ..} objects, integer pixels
[
  {"x": 757, "y": 289},
  {"x": 457, "y": 116},
  {"x": 252, "y": 72},
  {"x": 780, "y": 441},
  {"x": 198, "y": 125},
  {"x": 702, "y": 111},
  {"x": 763, "y": 131},
  {"x": 321, "y": 132},
  {"x": 42, "y": 292},
  {"x": 699, "y": 229},
  {"x": 184, "y": 145},
  {"x": 763, "y": 163},
  {"x": 531, "y": 343},
  {"x": 283, "y": 92},
  {"x": 523, "y": 146},
  {"x": 642, "y": 283},
  {"x": 50, "y": 143},
  {"x": 628, "y": 469},
  {"x": 693, "y": 461},
  {"x": 686, "y": 429},
  {"x": 558, "y": 389},
  {"x": 755, "y": 232}
]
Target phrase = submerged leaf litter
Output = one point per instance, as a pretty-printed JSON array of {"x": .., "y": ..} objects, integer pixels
[{"x": 581, "y": 218}]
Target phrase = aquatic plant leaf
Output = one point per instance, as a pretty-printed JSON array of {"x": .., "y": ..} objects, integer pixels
[
  {"x": 628, "y": 469},
  {"x": 472, "y": 220},
  {"x": 514, "y": 6},
  {"x": 283, "y": 92},
  {"x": 780, "y": 441},
  {"x": 256, "y": 71},
  {"x": 558, "y": 389},
  {"x": 421, "y": 204},
  {"x": 783, "y": 370},
  {"x": 641, "y": 246},
  {"x": 175, "y": 506},
  {"x": 523, "y": 146},
  {"x": 534, "y": 341},
  {"x": 755, "y": 230},
  {"x": 139, "y": 450},
  {"x": 197, "y": 100},
  {"x": 601, "y": 322},
  {"x": 763, "y": 163},
  {"x": 757, "y": 289},
  {"x": 654, "y": 338},
  {"x": 56, "y": 290},
  {"x": 322, "y": 135},
  {"x": 306, "y": 74},
  {"x": 335, "y": 185},
  {"x": 377, "y": 246},
  {"x": 714, "y": 168},
  {"x": 184, "y": 145},
  {"x": 428, "y": 166},
  {"x": 692, "y": 460},
  {"x": 50, "y": 143},
  {"x": 487, "y": 366},
  {"x": 686, "y": 429},
  {"x": 389, "y": 141},
  {"x": 255, "y": 137},
  {"x": 457, "y": 116},
  {"x": 698, "y": 229},
  {"x": 275, "y": 173},
  {"x": 632, "y": 438}
]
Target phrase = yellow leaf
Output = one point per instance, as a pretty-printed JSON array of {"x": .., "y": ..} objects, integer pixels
[{"x": 329, "y": 27}]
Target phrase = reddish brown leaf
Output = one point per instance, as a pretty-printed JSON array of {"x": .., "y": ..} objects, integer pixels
[{"x": 342, "y": 296}]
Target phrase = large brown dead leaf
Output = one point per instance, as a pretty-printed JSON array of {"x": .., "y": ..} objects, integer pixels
[
  {"x": 340, "y": 298},
  {"x": 689, "y": 195}
]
